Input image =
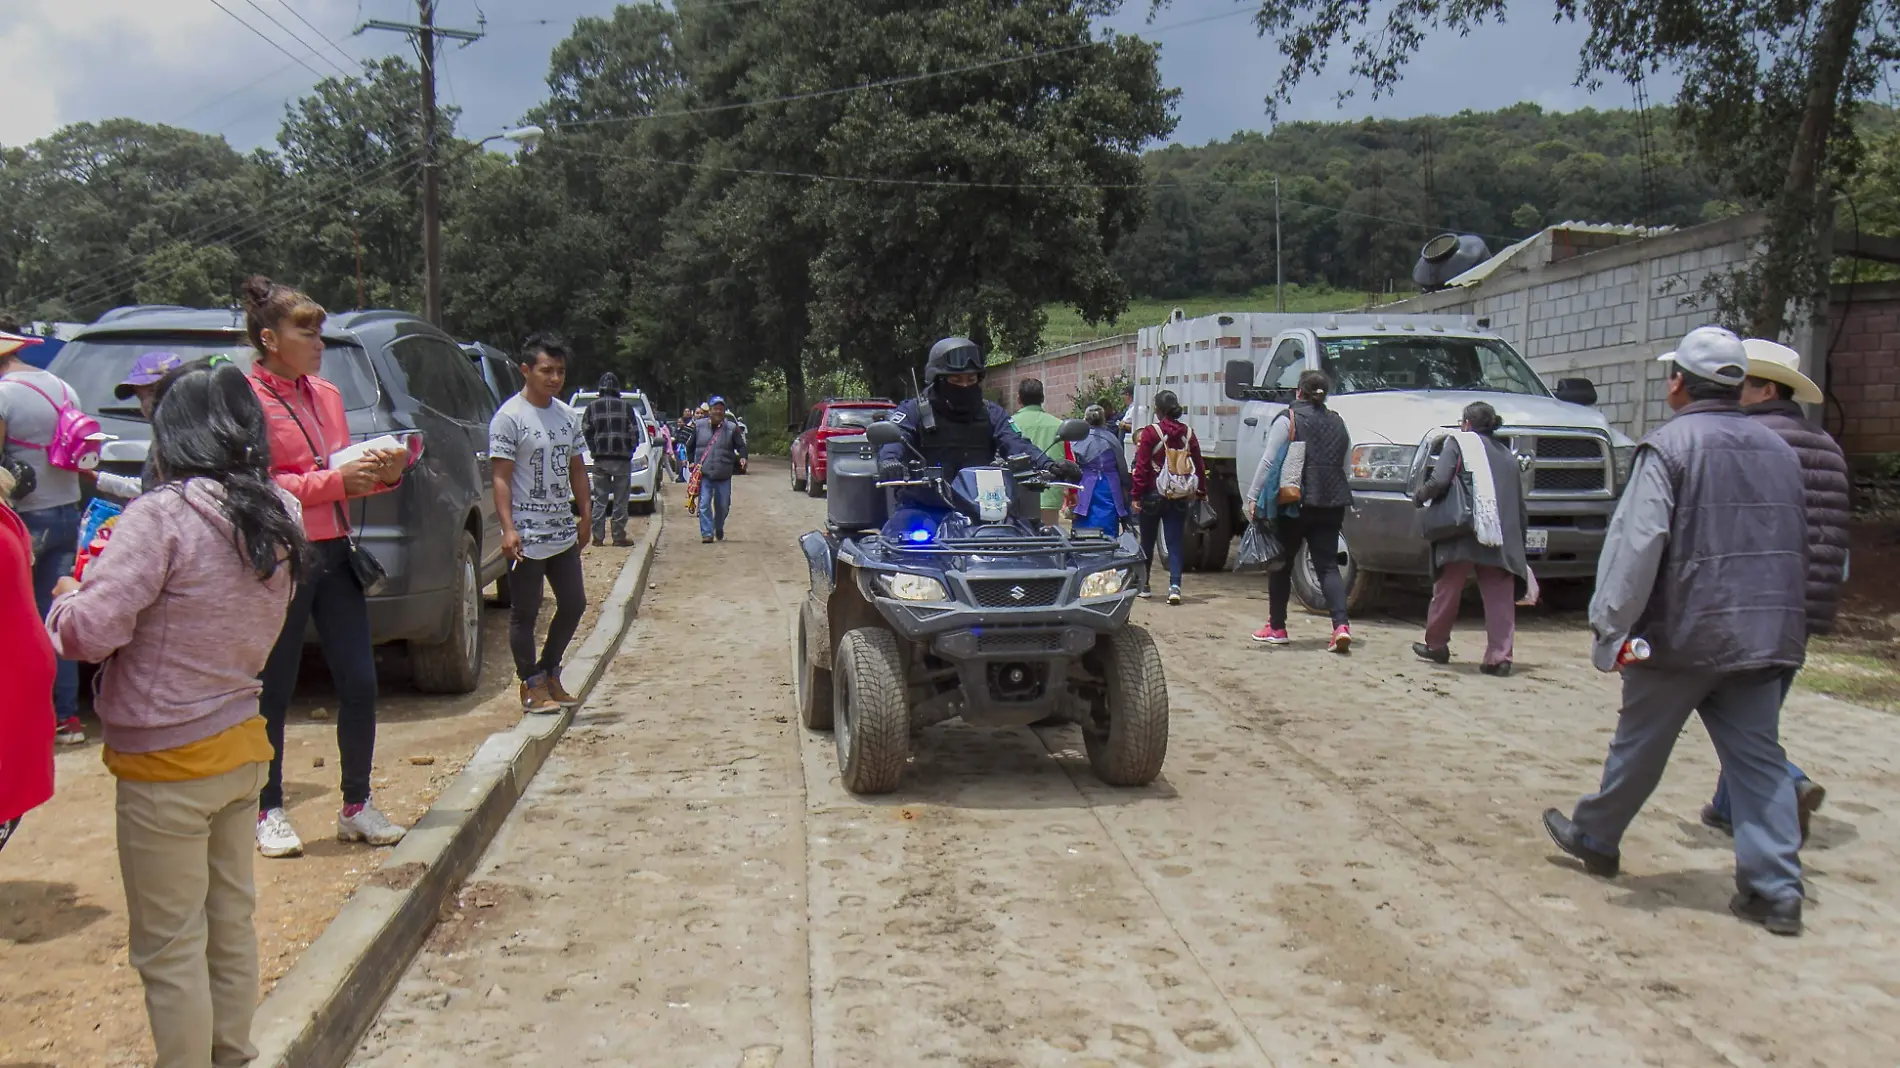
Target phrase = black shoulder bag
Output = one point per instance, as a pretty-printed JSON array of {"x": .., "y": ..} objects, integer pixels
[
  {"x": 1450, "y": 516},
  {"x": 369, "y": 571}
]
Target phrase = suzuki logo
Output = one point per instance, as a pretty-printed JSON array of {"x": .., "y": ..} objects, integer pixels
[{"x": 1018, "y": 593}]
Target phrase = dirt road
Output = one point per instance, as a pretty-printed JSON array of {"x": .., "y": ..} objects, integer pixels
[
  {"x": 1340, "y": 866},
  {"x": 68, "y": 997}
]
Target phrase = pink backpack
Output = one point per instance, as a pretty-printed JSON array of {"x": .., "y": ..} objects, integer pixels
[{"x": 76, "y": 435}]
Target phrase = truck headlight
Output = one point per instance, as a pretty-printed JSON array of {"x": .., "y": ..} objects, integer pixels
[
  {"x": 1104, "y": 583},
  {"x": 906, "y": 587},
  {"x": 1623, "y": 456},
  {"x": 1382, "y": 463}
]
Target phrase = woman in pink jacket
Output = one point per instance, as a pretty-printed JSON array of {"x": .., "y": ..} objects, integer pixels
[
  {"x": 26, "y": 686},
  {"x": 307, "y": 427},
  {"x": 182, "y": 608}
]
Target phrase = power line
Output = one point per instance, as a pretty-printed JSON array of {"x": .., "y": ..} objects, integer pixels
[
  {"x": 285, "y": 4},
  {"x": 267, "y": 39},
  {"x": 216, "y": 100},
  {"x": 288, "y": 32},
  {"x": 882, "y": 83}
]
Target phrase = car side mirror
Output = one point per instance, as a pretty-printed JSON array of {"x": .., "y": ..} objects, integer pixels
[
  {"x": 1577, "y": 391},
  {"x": 1072, "y": 430},
  {"x": 1237, "y": 379},
  {"x": 882, "y": 434}
]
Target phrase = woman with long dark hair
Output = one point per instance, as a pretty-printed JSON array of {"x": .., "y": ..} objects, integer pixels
[
  {"x": 182, "y": 608},
  {"x": 1315, "y": 515},
  {"x": 307, "y": 427}
]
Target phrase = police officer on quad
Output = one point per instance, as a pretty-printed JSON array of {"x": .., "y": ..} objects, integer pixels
[{"x": 953, "y": 426}]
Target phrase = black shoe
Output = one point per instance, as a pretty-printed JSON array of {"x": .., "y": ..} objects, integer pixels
[
  {"x": 1780, "y": 917},
  {"x": 622, "y": 543},
  {"x": 1426, "y": 652},
  {"x": 1808, "y": 796},
  {"x": 1501, "y": 669},
  {"x": 721, "y": 535},
  {"x": 1712, "y": 818},
  {"x": 1569, "y": 839}
]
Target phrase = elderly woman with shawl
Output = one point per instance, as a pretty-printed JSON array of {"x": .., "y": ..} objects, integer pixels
[
  {"x": 1493, "y": 547},
  {"x": 1102, "y": 502}
]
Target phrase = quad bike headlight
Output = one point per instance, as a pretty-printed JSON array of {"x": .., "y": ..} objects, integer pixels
[
  {"x": 906, "y": 587},
  {"x": 1104, "y": 583}
]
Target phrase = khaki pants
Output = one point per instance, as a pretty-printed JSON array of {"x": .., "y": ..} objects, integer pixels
[{"x": 185, "y": 851}]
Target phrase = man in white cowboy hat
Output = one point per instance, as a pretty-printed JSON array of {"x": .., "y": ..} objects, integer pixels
[{"x": 1773, "y": 394}]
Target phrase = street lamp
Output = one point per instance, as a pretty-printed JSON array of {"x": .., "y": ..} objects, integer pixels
[{"x": 526, "y": 137}]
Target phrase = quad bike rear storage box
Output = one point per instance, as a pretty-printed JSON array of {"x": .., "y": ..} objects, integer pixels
[{"x": 853, "y": 500}]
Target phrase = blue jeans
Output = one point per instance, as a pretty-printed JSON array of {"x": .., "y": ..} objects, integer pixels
[
  {"x": 55, "y": 534},
  {"x": 1720, "y": 802},
  {"x": 1158, "y": 514},
  {"x": 715, "y": 501}
]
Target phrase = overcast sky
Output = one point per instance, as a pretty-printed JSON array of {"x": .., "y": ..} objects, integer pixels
[{"x": 188, "y": 63}]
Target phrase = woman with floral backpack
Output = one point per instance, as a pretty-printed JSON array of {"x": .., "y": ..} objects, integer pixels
[{"x": 1169, "y": 476}]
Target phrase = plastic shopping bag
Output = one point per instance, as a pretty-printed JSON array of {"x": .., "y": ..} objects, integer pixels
[{"x": 1260, "y": 547}]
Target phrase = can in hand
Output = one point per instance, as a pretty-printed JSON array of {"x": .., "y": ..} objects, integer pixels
[{"x": 1634, "y": 651}]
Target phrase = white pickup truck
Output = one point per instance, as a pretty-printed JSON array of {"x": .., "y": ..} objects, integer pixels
[{"x": 1399, "y": 381}]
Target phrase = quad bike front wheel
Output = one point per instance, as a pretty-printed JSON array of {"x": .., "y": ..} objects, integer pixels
[
  {"x": 1126, "y": 729},
  {"x": 870, "y": 711}
]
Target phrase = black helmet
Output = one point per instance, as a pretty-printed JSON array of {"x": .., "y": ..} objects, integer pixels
[
  {"x": 610, "y": 383},
  {"x": 953, "y": 356}
]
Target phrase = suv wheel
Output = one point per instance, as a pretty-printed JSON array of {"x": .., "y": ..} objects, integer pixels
[
  {"x": 454, "y": 665},
  {"x": 871, "y": 713},
  {"x": 1126, "y": 730},
  {"x": 798, "y": 484},
  {"x": 814, "y": 486}
]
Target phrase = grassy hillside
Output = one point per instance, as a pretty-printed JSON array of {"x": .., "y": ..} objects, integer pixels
[{"x": 1067, "y": 328}]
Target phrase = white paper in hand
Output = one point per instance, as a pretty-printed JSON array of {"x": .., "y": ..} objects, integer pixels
[{"x": 362, "y": 449}]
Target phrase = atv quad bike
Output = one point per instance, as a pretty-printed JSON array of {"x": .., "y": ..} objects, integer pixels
[{"x": 969, "y": 610}]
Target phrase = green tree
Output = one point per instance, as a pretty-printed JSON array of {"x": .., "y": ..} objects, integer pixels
[{"x": 1770, "y": 92}]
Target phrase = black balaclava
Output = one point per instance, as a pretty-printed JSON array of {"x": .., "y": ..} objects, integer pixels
[{"x": 959, "y": 404}]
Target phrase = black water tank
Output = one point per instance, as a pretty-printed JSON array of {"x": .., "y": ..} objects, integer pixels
[{"x": 1447, "y": 256}]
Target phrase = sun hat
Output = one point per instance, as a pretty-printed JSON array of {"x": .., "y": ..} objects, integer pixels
[
  {"x": 1772, "y": 361},
  {"x": 1711, "y": 352},
  {"x": 11, "y": 343},
  {"x": 147, "y": 371}
]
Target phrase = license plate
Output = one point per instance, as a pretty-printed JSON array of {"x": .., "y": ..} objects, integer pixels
[{"x": 1536, "y": 541}]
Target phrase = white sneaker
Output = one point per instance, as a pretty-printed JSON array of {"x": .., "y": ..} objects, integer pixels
[
  {"x": 1174, "y": 595},
  {"x": 368, "y": 825},
  {"x": 275, "y": 836}
]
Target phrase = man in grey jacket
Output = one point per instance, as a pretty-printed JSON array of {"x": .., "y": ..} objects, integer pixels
[
  {"x": 718, "y": 448},
  {"x": 1706, "y": 560}
]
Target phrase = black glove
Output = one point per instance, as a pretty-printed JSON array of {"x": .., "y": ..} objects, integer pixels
[
  {"x": 1065, "y": 471},
  {"x": 893, "y": 471}
]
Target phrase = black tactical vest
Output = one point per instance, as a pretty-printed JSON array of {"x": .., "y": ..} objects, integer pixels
[{"x": 954, "y": 445}]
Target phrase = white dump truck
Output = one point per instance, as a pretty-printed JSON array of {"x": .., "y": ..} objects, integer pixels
[{"x": 1400, "y": 382}]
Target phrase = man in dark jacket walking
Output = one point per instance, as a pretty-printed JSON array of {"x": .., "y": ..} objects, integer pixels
[
  {"x": 607, "y": 423},
  {"x": 717, "y": 448},
  {"x": 1706, "y": 560},
  {"x": 1773, "y": 395}
]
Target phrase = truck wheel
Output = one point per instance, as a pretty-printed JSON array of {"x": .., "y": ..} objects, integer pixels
[
  {"x": 454, "y": 665},
  {"x": 1362, "y": 587},
  {"x": 1217, "y": 540},
  {"x": 798, "y": 484},
  {"x": 872, "y": 713},
  {"x": 814, "y": 684},
  {"x": 1126, "y": 732},
  {"x": 1567, "y": 595}
]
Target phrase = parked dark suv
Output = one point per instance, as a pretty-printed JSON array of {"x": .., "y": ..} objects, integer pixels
[
  {"x": 497, "y": 369},
  {"x": 437, "y": 534}
]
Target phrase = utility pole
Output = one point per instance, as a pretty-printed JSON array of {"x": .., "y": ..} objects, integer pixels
[
  {"x": 1279, "y": 278},
  {"x": 424, "y": 33},
  {"x": 356, "y": 238}
]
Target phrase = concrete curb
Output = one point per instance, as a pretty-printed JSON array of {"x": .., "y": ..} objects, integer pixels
[{"x": 317, "y": 1013}]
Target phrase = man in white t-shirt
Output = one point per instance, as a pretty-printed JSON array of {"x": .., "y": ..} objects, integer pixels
[{"x": 534, "y": 443}]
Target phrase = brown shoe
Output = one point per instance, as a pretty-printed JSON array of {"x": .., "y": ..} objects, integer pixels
[
  {"x": 535, "y": 699},
  {"x": 560, "y": 696}
]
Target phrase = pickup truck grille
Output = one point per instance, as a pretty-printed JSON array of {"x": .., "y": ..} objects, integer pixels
[
  {"x": 1565, "y": 463},
  {"x": 1017, "y": 593}
]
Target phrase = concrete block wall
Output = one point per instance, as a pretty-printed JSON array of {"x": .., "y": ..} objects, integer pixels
[
  {"x": 1062, "y": 371},
  {"x": 1865, "y": 362}
]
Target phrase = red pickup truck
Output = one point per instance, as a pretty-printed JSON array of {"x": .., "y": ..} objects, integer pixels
[{"x": 828, "y": 419}]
